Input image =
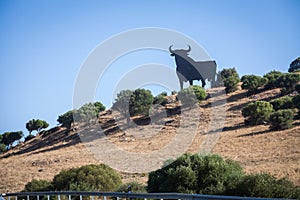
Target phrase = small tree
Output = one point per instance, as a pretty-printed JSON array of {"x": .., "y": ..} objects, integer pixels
[
  {"x": 252, "y": 83},
  {"x": 285, "y": 102},
  {"x": 281, "y": 119},
  {"x": 140, "y": 102},
  {"x": 196, "y": 174},
  {"x": 231, "y": 79},
  {"x": 257, "y": 112},
  {"x": 36, "y": 125},
  {"x": 295, "y": 65},
  {"x": 66, "y": 119},
  {"x": 187, "y": 97},
  {"x": 266, "y": 186},
  {"x": 10, "y": 137},
  {"x": 87, "y": 178},
  {"x": 88, "y": 112},
  {"x": 271, "y": 78},
  {"x": 121, "y": 104}
]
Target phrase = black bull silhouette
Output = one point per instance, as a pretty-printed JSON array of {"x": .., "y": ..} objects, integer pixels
[{"x": 188, "y": 70}]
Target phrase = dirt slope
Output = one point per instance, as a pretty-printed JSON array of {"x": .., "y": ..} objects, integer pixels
[{"x": 255, "y": 147}]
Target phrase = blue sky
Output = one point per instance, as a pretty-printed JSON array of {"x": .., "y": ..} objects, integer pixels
[{"x": 44, "y": 43}]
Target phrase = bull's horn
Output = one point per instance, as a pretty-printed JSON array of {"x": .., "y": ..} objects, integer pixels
[
  {"x": 170, "y": 49},
  {"x": 189, "y": 49}
]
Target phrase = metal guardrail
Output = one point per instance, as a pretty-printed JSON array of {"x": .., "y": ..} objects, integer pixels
[{"x": 118, "y": 195}]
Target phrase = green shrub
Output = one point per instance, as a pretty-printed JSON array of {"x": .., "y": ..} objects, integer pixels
[
  {"x": 140, "y": 102},
  {"x": 297, "y": 88},
  {"x": 29, "y": 137},
  {"x": 295, "y": 65},
  {"x": 252, "y": 83},
  {"x": 88, "y": 112},
  {"x": 133, "y": 187},
  {"x": 266, "y": 186},
  {"x": 230, "y": 79},
  {"x": 285, "y": 102},
  {"x": 257, "y": 112},
  {"x": 199, "y": 92},
  {"x": 187, "y": 97},
  {"x": 2, "y": 148},
  {"x": 160, "y": 99},
  {"x": 196, "y": 174},
  {"x": 281, "y": 119},
  {"x": 271, "y": 78},
  {"x": 287, "y": 82},
  {"x": 88, "y": 178},
  {"x": 38, "y": 186}
]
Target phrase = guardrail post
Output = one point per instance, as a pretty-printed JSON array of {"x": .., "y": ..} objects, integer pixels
[
  {"x": 80, "y": 197},
  {"x": 69, "y": 197},
  {"x": 38, "y": 197},
  {"x": 27, "y": 197},
  {"x": 104, "y": 197},
  {"x": 48, "y": 197},
  {"x": 58, "y": 197}
]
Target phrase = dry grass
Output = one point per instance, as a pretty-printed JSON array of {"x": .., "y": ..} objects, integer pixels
[{"x": 255, "y": 147}]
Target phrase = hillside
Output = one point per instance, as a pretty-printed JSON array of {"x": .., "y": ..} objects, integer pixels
[{"x": 255, "y": 147}]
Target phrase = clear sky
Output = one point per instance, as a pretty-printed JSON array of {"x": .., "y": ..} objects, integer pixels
[{"x": 44, "y": 43}]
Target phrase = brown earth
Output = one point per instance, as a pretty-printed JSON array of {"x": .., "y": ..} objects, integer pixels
[{"x": 220, "y": 129}]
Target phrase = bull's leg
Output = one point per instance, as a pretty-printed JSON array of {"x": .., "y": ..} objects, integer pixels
[
  {"x": 191, "y": 82},
  {"x": 203, "y": 82},
  {"x": 181, "y": 84}
]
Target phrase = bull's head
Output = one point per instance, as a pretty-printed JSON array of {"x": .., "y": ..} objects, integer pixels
[{"x": 180, "y": 52}]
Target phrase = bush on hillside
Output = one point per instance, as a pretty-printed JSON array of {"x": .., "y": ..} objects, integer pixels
[
  {"x": 38, "y": 186},
  {"x": 281, "y": 119},
  {"x": 187, "y": 97},
  {"x": 134, "y": 187},
  {"x": 252, "y": 83},
  {"x": 295, "y": 65},
  {"x": 199, "y": 92},
  {"x": 2, "y": 148},
  {"x": 257, "y": 112},
  {"x": 266, "y": 186},
  {"x": 196, "y": 174},
  {"x": 230, "y": 79},
  {"x": 66, "y": 119},
  {"x": 87, "y": 178},
  {"x": 88, "y": 112},
  {"x": 285, "y": 102},
  {"x": 29, "y": 137},
  {"x": 297, "y": 88},
  {"x": 140, "y": 102},
  {"x": 287, "y": 82},
  {"x": 160, "y": 99},
  {"x": 271, "y": 79}
]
